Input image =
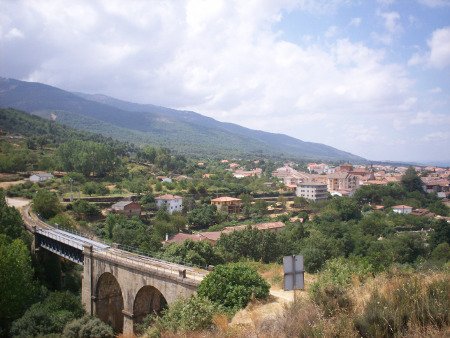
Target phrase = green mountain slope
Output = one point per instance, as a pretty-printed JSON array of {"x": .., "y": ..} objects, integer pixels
[{"x": 183, "y": 131}]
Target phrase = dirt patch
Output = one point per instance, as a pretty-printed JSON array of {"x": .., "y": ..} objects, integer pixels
[
  {"x": 17, "y": 202},
  {"x": 6, "y": 185}
]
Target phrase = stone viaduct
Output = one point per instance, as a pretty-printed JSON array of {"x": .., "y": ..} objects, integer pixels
[
  {"x": 122, "y": 291},
  {"x": 118, "y": 286}
]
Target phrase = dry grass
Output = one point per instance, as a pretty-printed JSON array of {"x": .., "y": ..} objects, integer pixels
[{"x": 303, "y": 318}]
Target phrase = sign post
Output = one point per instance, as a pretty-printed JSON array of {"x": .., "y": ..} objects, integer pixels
[{"x": 294, "y": 274}]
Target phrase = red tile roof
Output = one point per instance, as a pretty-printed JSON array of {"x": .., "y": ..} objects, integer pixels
[{"x": 168, "y": 197}]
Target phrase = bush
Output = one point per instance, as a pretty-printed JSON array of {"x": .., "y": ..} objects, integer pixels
[
  {"x": 86, "y": 327},
  {"x": 192, "y": 314},
  {"x": 438, "y": 303},
  {"x": 48, "y": 316},
  {"x": 64, "y": 220},
  {"x": 410, "y": 304},
  {"x": 379, "y": 319},
  {"x": 84, "y": 209},
  {"x": 46, "y": 203},
  {"x": 233, "y": 285},
  {"x": 332, "y": 299}
]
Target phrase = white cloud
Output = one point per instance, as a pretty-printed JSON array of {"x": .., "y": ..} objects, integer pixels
[
  {"x": 438, "y": 55},
  {"x": 439, "y": 44},
  {"x": 392, "y": 25},
  {"x": 435, "y": 3},
  {"x": 14, "y": 33},
  {"x": 430, "y": 118},
  {"x": 437, "y": 136},
  {"x": 436, "y": 90},
  {"x": 223, "y": 59},
  {"x": 331, "y": 32},
  {"x": 362, "y": 133},
  {"x": 355, "y": 22}
]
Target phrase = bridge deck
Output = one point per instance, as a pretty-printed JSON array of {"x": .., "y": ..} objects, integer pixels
[{"x": 71, "y": 239}]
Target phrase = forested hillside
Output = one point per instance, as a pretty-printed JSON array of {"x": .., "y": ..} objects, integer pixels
[{"x": 182, "y": 131}]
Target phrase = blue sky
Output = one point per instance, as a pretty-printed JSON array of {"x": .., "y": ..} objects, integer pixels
[{"x": 368, "y": 77}]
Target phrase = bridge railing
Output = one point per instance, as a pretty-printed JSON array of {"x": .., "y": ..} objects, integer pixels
[
  {"x": 157, "y": 259},
  {"x": 163, "y": 267},
  {"x": 175, "y": 266}
]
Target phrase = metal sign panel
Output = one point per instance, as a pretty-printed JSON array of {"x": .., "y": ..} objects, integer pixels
[{"x": 293, "y": 272}]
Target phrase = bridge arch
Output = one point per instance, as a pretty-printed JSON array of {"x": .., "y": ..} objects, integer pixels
[
  {"x": 109, "y": 301},
  {"x": 148, "y": 300}
]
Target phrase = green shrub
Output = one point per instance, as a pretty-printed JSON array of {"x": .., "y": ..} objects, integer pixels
[
  {"x": 46, "y": 203},
  {"x": 233, "y": 285},
  {"x": 48, "y": 316},
  {"x": 64, "y": 220},
  {"x": 86, "y": 327},
  {"x": 192, "y": 314}
]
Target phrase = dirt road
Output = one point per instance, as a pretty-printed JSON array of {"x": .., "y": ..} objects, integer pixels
[{"x": 17, "y": 202}]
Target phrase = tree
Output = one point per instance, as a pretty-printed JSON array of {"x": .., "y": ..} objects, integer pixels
[
  {"x": 17, "y": 288},
  {"x": 49, "y": 316},
  {"x": 192, "y": 314},
  {"x": 408, "y": 247},
  {"x": 250, "y": 243},
  {"x": 84, "y": 209},
  {"x": 10, "y": 220},
  {"x": 196, "y": 253},
  {"x": 411, "y": 181},
  {"x": 88, "y": 157},
  {"x": 203, "y": 216},
  {"x": 88, "y": 326},
  {"x": 346, "y": 208},
  {"x": 233, "y": 285},
  {"x": 317, "y": 249},
  {"x": 46, "y": 203}
]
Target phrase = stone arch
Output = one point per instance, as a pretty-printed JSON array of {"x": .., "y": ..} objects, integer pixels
[
  {"x": 148, "y": 300},
  {"x": 109, "y": 301}
]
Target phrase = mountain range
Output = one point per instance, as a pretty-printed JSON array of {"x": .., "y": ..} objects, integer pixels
[{"x": 185, "y": 132}]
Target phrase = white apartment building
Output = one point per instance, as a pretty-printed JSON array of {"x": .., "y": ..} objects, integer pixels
[
  {"x": 172, "y": 203},
  {"x": 312, "y": 191}
]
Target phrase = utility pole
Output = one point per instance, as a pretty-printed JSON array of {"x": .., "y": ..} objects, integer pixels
[{"x": 71, "y": 192}]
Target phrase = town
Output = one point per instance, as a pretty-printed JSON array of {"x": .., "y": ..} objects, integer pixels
[{"x": 196, "y": 216}]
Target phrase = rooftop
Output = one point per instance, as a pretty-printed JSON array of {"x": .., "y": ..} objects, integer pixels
[{"x": 168, "y": 197}]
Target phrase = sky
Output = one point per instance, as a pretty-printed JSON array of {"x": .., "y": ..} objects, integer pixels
[{"x": 371, "y": 77}]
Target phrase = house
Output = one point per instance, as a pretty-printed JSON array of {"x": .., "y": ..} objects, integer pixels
[
  {"x": 284, "y": 172},
  {"x": 342, "y": 181},
  {"x": 318, "y": 168},
  {"x": 402, "y": 209},
  {"x": 209, "y": 236},
  {"x": 247, "y": 173},
  {"x": 213, "y": 236},
  {"x": 40, "y": 177},
  {"x": 227, "y": 204},
  {"x": 290, "y": 187},
  {"x": 423, "y": 212},
  {"x": 270, "y": 226},
  {"x": 128, "y": 208},
  {"x": 312, "y": 191},
  {"x": 164, "y": 179},
  {"x": 345, "y": 168},
  {"x": 439, "y": 186},
  {"x": 234, "y": 165},
  {"x": 172, "y": 203}
]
